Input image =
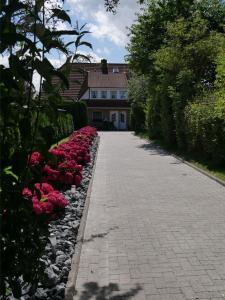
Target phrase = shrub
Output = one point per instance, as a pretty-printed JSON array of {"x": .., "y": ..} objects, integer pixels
[
  {"x": 79, "y": 114},
  {"x": 26, "y": 211},
  {"x": 206, "y": 131}
]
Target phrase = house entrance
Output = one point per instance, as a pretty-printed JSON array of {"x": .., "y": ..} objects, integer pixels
[{"x": 118, "y": 118}]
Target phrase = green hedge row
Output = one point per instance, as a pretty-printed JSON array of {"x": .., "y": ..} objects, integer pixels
[
  {"x": 205, "y": 129},
  {"x": 53, "y": 131}
]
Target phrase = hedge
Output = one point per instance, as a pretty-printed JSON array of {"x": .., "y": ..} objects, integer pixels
[{"x": 205, "y": 129}]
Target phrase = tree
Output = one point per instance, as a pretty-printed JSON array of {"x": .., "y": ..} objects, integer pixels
[
  {"x": 28, "y": 36},
  {"x": 176, "y": 44},
  {"x": 137, "y": 94}
]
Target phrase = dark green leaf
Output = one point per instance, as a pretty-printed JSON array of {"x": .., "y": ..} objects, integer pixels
[{"x": 60, "y": 14}]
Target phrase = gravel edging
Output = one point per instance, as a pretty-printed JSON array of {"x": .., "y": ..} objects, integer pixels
[
  {"x": 71, "y": 283},
  {"x": 59, "y": 258}
]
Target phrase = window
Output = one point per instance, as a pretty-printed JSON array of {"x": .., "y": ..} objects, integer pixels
[
  {"x": 97, "y": 116},
  {"x": 122, "y": 118},
  {"x": 113, "y": 117},
  {"x": 123, "y": 95},
  {"x": 103, "y": 94},
  {"x": 113, "y": 94},
  {"x": 94, "y": 94},
  {"x": 116, "y": 70}
]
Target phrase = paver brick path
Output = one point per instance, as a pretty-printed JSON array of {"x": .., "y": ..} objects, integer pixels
[{"x": 155, "y": 228}]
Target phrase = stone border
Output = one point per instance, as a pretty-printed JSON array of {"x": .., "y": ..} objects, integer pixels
[
  {"x": 71, "y": 283},
  {"x": 199, "y": 169}
]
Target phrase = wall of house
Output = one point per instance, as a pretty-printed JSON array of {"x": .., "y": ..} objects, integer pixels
[
  {"x": 108, "y": 90},
  {"x": 106, "y": 114}
]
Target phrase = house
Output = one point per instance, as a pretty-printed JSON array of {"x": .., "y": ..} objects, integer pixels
[
  {"x": 105, "y": 93},
  {"x": 103, "y": 87}
]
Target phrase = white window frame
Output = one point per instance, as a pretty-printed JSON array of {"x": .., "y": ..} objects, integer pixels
[
  {"x": 94, "y": 91},
  {"x": 103, "y": 91},
  {"x": 124, "y": 93},
  {"x": 113, "y": 92}
]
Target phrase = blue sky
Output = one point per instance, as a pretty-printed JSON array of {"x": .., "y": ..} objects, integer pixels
[{"x": 108, "y": 31}]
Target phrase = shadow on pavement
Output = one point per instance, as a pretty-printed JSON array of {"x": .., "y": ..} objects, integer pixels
[
  {"x": 153, "y": 149},
  {"x": 99, "y": 235},
  {"x": 91, "y": 290}
]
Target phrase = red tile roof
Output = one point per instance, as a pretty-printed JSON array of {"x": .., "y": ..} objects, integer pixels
[
  {"x": 110, "y": 80},
  {"x": 78, "y": 73}
]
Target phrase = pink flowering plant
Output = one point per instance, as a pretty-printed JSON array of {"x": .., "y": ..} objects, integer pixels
[
  {"x": 63, "y": 169},
  {"x": 33, "y": 200}
]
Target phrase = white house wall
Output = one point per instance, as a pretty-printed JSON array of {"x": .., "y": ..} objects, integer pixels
[{"x": 87, "y": 95}]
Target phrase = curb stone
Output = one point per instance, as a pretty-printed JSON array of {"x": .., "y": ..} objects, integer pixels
[{"x": 71, "y": 283}]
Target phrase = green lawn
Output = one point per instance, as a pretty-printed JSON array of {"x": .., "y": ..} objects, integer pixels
[{"x": 217, "y": 171}]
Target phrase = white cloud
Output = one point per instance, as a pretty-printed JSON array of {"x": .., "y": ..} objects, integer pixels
[
  {"x": 92, "y": 56},
  {"x": 103, "y": 24},
  {"x": 104, "y": 51}
]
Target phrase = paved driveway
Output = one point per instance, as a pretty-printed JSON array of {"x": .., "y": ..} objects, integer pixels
[{"x": 155, "y": 227}]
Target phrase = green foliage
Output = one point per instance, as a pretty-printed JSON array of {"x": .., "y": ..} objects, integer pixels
[
  {"x": 179, "y": 46},
  {"x": 206, "y": 131},
  {"x": 79, "y": 114},
  {"x": 29, "y": 121},
  {"x": 137, "y": 94}
]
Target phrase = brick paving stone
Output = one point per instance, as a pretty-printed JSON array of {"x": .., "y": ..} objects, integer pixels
[{"x": 155, "y": 228}]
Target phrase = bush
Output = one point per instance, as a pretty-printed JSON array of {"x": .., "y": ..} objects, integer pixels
[
  {"x": 26, "y": 211},
  {"x": 206, "y": 131},
  {"x": 79, "y": 114}
]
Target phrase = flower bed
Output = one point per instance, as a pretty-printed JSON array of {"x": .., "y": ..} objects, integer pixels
[
  {"x": 62, "y": 242},
  {"x": 62, "y": 169},
  {"x": 55, "y": 194}
]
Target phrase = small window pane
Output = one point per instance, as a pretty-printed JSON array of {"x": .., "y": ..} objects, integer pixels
[
  {"x": 122, "y": 118},
  {"x": 113, "y": 94},
  {"x": 94, "y": 94},
  {"x": 113, "y": 117},
  {"x": 123, "y": 95},
  {"x": 103, "y": 94}
]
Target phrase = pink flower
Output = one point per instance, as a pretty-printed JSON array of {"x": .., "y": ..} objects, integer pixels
[
  {"x": 57, "y": 199},
  {"x": 47, "y": 207},
  {"x": 26, "y": 193},
  {"x": 52, "y": 174},
  {"x": 37, "y": 208},
  {"x": 68, "y": 178},
  {"x": 35, "y": 159},
  {"x": 44, "y": 187},
  {"x": 77, "y": 180}
]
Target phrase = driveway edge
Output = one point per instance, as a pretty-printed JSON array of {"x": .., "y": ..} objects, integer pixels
[
  {"x": 199, "y": 169},
  {"x": 71, "y": 283},
  {"x": 189, "y": 164}
]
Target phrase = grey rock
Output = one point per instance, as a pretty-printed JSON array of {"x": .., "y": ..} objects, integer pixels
[
  {"x": 60, "y": 259},
  {"x": 52, "y": 278}
]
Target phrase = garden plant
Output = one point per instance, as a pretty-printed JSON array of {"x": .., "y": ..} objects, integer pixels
[{"x": 178, "y": 49}]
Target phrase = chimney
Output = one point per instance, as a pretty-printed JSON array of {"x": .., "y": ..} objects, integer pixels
[{"x": 104, "y": 66}]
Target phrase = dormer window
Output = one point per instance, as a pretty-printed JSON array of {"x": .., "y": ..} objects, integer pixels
[
  {"x": 113, "y": 94},
  {"x": 94, "y": 94},
  {"x": 116, "y": 70},
  {"x": 103, "y": 94}
]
